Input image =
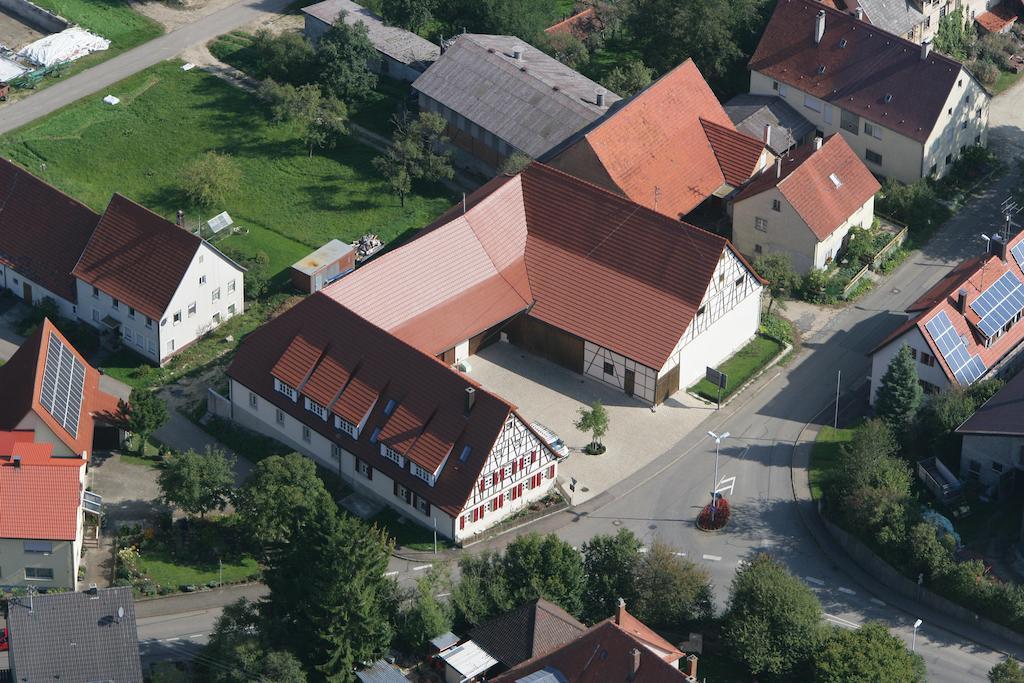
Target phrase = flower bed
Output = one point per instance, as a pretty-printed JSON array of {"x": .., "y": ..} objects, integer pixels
[{"x": 722, "y": 514}]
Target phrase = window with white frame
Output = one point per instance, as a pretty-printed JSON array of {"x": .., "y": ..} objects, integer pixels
[
  {"x": 192, "y": 309},
  {"x": 761, "y": 224},
  {"x": 364, "y": 469},
  {"x": 231, "y": 286},
  {"x": 128, "y": 334},
  {"x": 392, "y": 455},
  {"x": 215, "y": 295},
  {"x": 279, "y": 416},
  {"x": 131, "y": 312},
  {"x": 812, "y": 103},
  {"x": 873, "y": 130},
  {"x": 335, "y": 451},
  {"x": 346, "y": 427},
  {"x": 177, "y": 317},
  {"x": 202, "y": 279},
  {"x": 423, "y": 474},
  {"x": 231, "y": 309},
  {"x": 253, "y": 400},
  {"x": 317, "y": 409},
  {"x": 285, "y": 389}
]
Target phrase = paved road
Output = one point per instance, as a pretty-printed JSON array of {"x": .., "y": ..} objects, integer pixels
[{"x": 103, "y": 75}]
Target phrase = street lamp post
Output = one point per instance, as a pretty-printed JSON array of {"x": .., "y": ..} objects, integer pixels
[
  {"x": 913, "y": 641},
  {"x": 714, "y": 485}
]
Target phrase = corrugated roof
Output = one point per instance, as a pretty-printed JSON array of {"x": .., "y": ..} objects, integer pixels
[
  {"x": 654, "y": 149},
  {"x": 1001, "y": 415},
  {"x": 75, "y": 637},
  {"x": 381, "y": 672},
  {"x": 532, "y": 104},
  {"x": 401, "y": 45},
  {"x": 430, "y": 397},
  {"x": 529, "y": 631},
  {"x": 751, "y": 113},
  {"x": 137, "y": 256},
  {"x": 895, "y": 16},
  {"x": 39, "y": 498},
  {"x": 862, "y": 66},
  {"x": 325, "y": 255},
  {"x": 42, "y": 230},
  {"x": 806, "y": 183}
]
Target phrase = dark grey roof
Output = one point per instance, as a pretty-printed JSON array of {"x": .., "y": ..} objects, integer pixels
[
  {"x": 445, "y": 640},
  {"x": 401, "y": 45},
  {"x": 750, "y": 113},
  {"x": 532, "y": 104},
  {"x": 382, "y": 672},
  {"x": 1001, "y": 415},
  {"x": 75, "y": 638},
  {"x": 894, "y": 16},
  {"x": 532, "y": 630}
]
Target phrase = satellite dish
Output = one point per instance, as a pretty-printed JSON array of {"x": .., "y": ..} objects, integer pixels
[{"x": 120, "y": 612}]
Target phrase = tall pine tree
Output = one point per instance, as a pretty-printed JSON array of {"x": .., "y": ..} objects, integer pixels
[
  {"x": 900, "y": 394},
  {"x": 329, "y": 601}
]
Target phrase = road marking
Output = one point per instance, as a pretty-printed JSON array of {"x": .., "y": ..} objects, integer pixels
[
  {"x": 196, "y": 635},
  {"x": 390, "y": 573},
  {"x": 878, "y": 602},
  {"x": 713, "y": 558},
  {"x": 844, "y": 589},
  {"x": 726, "y": 485},
  {"x": 842, "y": 622},
  {"x": 422, "y": 567},
  {"x": 680, "y": 554},
  {"x": 811, "y": 579}
]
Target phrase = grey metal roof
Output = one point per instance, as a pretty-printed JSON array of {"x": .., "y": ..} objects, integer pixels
[
  {"x": 382, "y": 672},
  {"x": 1001, "y": 415},
  {"x": 532, "y": 104},
  {"x": 750, "y": 113},
  {"x": 75, "y": 638},
  {"x": 325, "y": 255},
  {"x": 397, "y": 43},
  {"x": 445, "y": 640},
  {"x": 894, "y": 16}
]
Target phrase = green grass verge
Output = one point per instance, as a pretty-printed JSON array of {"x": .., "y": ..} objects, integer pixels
[
  {"x": 1004, "y": 82},
  {"x": 825, "y": 456},
  {"x": 290, "y": 203},
  {"x": 160, "y": 566},
  {"x": 743, "y": 365},
  {"x": 407, "y": 533}
]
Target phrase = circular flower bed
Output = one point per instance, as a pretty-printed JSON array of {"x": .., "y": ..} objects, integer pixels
[
  {"x": 722, "y": 513},
  {"x": 594, "y": 449}
]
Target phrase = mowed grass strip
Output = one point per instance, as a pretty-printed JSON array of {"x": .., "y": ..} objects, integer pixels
[
  {"x": 289, "y": 202},
  {"x": 743, "y": 365},
  {"x": 825, "y": 456}
]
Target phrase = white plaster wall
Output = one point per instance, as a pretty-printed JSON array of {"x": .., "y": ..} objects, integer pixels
[
  {"x": 902, "y": 157},
  {"x": 594, "y": 358},
  {"x": 949, "y": 134},
  {"x": 880, "y": 361},
  {"x": 987, "y": 449},
  {"x": 43, "y": 434},
  {"x": 863, "y": 217},
  {"x": 786, "y": 231},
  {"x": 15, "y": 282},
  {"x": 144, "y": 331}
]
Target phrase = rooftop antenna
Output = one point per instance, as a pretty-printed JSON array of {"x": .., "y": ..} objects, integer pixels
[{"x": 988, "y": 252}]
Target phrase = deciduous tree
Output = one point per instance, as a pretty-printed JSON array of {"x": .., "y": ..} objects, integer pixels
[
  {"x": 482, "y": 591},
  {"x": 285, "y": 57},
  {"x": 197, "y": 483},
  {"x": 1006, "y": 671},
  {"x": 596, "y": 421},
  {"x": 210, "y": 179},
  {"x": 343, "y": 58},
  {"x": 773, "y": 620},
  {"x": 319, "y": 120},
  {"x": 415, "y": 153},
  {"x": 544, "y": 567},
  {"x": 413, "y": 15},
  {"x": 777, "y": 269},
  {"x": 672, "y": 592},
  {"x": 144, "y": 413},
  {"x": 428, "y": 616},
  {"x": 629, "y": 78},
  {"x": 524, "y": 18},
  {"x": 899, "y": 394},
  {"x": 869, "y": 653},
  {"x": 236, "y": 652},
  {"x": 610, "y": 566}
]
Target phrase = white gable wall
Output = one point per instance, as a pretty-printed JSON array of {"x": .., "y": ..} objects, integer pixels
[
  {"x": 15, "y": 282},
  {"x": 933, "y": 374}
]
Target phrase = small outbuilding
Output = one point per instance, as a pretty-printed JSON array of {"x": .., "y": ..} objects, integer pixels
[
  {"x": 467, "y": 662},
  {"x": 325, "y": 265}
]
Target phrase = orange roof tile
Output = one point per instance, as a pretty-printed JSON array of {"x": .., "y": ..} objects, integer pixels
[
  {"x": 997, "y": 19},
  {"x": 579, "y": 25},
  {"x": 737, "y": 153},
  {"x": 806, "y": 183},
  {"x": 646, "y": 635},
  {"x": 40, "y": 496}
]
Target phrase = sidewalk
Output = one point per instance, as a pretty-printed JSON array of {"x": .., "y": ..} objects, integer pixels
[
  {"x": 179, "y": 603},
  {"x": 830, "y": 548}
]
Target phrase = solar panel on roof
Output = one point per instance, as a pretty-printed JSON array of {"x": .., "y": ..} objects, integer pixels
[
  {"x": 63, "y": 385},
  {"x": 965, "y": 367},
  {"x": 999, "y": 303},
  {"x": 1018, "y": 255}
]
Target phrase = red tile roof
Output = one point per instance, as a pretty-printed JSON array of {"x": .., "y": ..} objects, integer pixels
[
  {"x": 23, "y": 376},
  {"x": 133, "y": 245},
  {"x": 646, "y": 635},
  {"x": 579, "y": 25},
  {"x": 859, "y": 77},
  {"x": 601, "y": 655},
  {"x": 42, "y": 230},
  {"x": 39, "y": 499},
  {"x": 657, "y": 149},
  {"x": 805, "y": 182},
  {"x": 369, "y": 367},
  {"x": 997, "y": 19},
  {"x": 975, "y": 276},
  {"x": 549, "y": 243}
]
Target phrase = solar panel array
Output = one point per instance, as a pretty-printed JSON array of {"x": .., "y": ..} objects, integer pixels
[
  {"x": 998, "y": 304},
  {"x": 1018, "y": 254},
  {"x": 966, "y": 368},
  {"x": 63, "y": 385}
]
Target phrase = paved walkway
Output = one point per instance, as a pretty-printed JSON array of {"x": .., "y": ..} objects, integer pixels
[{"x": 101, "y": 76}]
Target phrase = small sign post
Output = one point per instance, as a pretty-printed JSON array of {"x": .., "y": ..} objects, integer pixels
[{"x": 719, "y": 379}]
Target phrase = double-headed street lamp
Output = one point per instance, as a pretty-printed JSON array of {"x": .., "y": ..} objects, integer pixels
[{"x": 714, "y": 485}]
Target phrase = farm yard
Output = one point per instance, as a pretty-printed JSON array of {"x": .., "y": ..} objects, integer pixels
[{"x": 287, "y": 202}]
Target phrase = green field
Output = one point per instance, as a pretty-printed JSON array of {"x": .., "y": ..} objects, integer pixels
[
  {"x": 160, "y": 567},
  {"x": 825, "y": 456},
  {"x": 289, "y": 203},
  {"x": 743, "y": 365},
  {"x": 407, "y": 533}
]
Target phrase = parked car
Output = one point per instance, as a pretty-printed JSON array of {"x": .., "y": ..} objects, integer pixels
[
  {"x": 551, "y": 439},
  {"x": 3, "y": 640}
]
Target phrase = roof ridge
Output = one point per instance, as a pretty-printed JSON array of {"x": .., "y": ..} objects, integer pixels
[
  {"x": 25, "y": 172},
  {"x": 117, "y": 195},
  {"x": 627, "y": 101}
]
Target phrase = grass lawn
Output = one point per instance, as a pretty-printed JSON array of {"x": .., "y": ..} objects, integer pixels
[
  {"x": 743, "y": 365},
  {"x": 1005, "y": 81},
  {"x": 160, "y": 566},
  {"x": 407, "y": 533},
  {"x": 825, "y": 455},
  {"x": 290, "y": 203}
]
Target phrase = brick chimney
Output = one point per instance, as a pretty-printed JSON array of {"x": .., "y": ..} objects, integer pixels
[
  {"x": 819, "y": 27},
  {"x": 961, "y": 301},
  {"x": 634, "y": 669},
  {"x": 620, "y": 609},
  {"x": 691, "y": 667},
  {"x": 767, "y": 135}
]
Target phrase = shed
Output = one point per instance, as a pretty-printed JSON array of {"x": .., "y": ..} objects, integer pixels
[
  {"x": 467, "y": 662},
  {"x": 382, "y": 672},
  {"x": 443, "y": 642},
  {"x": 323, "y": 266}
]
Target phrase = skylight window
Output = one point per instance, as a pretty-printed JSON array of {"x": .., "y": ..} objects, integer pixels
[
  {"x": 835, "y": 180},
  {"x": 888, "y": 98},
  {"x": 821, "y": 69},
  {"x": 464, "y": 456},
  {"x": 843, "y": 42},
  {"x": 374, "y": 435},
  {"x": 389, "y": 407}
]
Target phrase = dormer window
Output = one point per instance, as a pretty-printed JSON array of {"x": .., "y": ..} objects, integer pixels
[
  {"x": 317, "y": 409},
  {"x": 346, "y": 427},
  {"x": 423, "y": 474},
  {"x": 392, "y": 455},
  {"x": 835, "y": 180},
  {"x": 286, "y": 389}
]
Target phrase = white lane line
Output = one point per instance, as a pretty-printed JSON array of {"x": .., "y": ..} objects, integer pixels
[
  {"x": 713, "y": 558},
  {"x": 422, "y": 567},
  {"x": 196, "y": 635},
  {"x": 811, "y": 579},
  {"x": 842, "y": 622},
  {"x": 878, "y": 602},
  {"x": 844, "y": 589},
  {"x": 390, "y": 573}
]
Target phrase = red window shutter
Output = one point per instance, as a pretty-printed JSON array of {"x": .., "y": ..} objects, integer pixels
[
  {"x": 501, "y": 499},
  {"x": 536, "y": 480},
  {"x": 483, "y": 509},
  {"x": 512, "y": 493},
  {"x": 502, "y": 472},
  {"x": 520, "y": 489},
  {"x": 522, "y": 462},
  {"x": 533, "y": 457},
  {"x": 494, "y": 479},
  {"x": 462, "y": 522},
  {"x": 482, "y": 484},
  {"x": 514, "y": 463},
  {"x": 551, "y": 472}
]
